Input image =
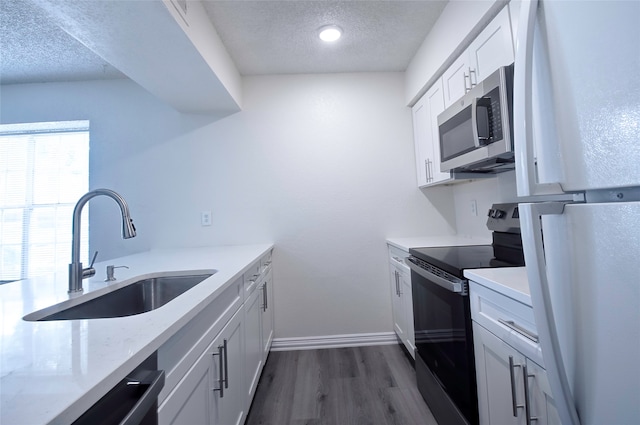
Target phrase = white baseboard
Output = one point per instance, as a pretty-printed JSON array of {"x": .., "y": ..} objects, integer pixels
[{"x": 333, "y": 341}]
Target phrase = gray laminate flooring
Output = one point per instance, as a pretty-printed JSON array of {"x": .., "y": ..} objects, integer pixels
[{"x": 342, "y": 386}]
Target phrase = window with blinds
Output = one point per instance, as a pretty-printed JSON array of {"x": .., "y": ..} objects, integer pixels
[{"x": 44, "y": 170}]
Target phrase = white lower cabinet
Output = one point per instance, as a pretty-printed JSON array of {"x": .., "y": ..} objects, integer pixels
[
  {"x": 268, "y": 324},
  {"x": 258, "y": 313},
  {"x": 253, "y": 338},
  {"x": 191, "y": 401},
  {"x": 229, "y": 402},
  {"x": 512, "y": 387},
  {"x": 402, "y": 299},
  {"x": 211, "y": 391},
  {"x": 214, "y": 362}
]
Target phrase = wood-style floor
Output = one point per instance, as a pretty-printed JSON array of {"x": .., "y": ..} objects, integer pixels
[{"x": 341, "y": 386}]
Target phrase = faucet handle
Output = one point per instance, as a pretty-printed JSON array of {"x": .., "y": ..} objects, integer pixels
[
  {"x": 93, "y": 260},
  {"x": 110, "y": 269},
  {"x": 90, "y": 271}
]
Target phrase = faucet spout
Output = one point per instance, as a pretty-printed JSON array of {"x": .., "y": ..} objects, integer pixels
[{"x": 128, "y": 231}]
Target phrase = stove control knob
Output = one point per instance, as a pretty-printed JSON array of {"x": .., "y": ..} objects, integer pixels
[{"x": 499, "y": 214}]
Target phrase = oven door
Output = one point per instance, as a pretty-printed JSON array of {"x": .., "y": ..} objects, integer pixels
[{"x": 444, "y": 346}]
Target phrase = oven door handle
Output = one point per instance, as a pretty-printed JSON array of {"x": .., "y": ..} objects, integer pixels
[{"x": 448, "y": 285}]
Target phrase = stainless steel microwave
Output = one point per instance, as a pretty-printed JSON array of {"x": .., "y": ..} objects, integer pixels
[{"x": 476, "y": 132}]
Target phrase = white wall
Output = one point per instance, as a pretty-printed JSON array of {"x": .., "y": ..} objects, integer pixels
[
  {"x": 485, "y": 192},
  {"x": 322, "y": 165},
  {"x": 125, "y": 121}
]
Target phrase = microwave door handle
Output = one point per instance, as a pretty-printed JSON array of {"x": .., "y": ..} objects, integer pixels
[
  {"x": 474, "y": 122},
  {"x": 480, "y": 138}
]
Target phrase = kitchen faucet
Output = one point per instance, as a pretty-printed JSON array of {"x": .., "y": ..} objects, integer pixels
[{"x": 76, "y": 272}]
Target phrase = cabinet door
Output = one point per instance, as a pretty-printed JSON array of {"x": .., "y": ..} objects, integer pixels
[
  {"x": 435, "y": 106},
  {"x": 492, "y": 49},
  {"x": 407, "y": 306},
  {"x": 253, "y": 339},
  {"x": 399, "y": 321},
  {"x": 541, "y": 401},
  {"x": 229, "y": 407},
  {"x": 426, "y": 136},
  {"x": 456, "y": 80},
  {"x": 191, "y": 400},
  {"x": 423, "y": 148},
  {"x": 498, "y": 381},
  {"x": 267, "y": 316}
]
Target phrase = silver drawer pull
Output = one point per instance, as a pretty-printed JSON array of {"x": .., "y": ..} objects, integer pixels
[
  {"x": 514, "y": 403},
  {"x": 522, "y": 331},
  {"x": 527, "y": 399}
]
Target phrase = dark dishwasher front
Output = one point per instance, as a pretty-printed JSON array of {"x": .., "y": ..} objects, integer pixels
[{"x": 133, "y": 401}]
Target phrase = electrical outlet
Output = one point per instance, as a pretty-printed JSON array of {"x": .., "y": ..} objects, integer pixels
[
  {"x": 205, "y": 218},
  {"x": 474, "y": 208}
]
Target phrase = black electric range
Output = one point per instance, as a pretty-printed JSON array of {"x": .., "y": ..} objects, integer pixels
[{"x": 445, "y": 364}]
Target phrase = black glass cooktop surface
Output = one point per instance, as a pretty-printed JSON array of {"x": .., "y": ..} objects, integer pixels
[{"x": 455, "y": 259}]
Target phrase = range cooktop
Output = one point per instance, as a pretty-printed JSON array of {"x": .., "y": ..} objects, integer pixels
[{"x": 455, "y": 259}]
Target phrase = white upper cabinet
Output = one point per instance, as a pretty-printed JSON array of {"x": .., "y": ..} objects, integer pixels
[
  {"x": 493, "y": 48},
  {"x": 456, "y": 79},
  {"x": 490, "y": 50},
  {"x": 420, "y": 136},
  {"x": 426, "y": 139}
]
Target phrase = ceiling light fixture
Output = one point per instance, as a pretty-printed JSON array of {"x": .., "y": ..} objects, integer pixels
[{"x": 330, "y": 33}]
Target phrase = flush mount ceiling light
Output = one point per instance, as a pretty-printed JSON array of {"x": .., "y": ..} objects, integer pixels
[{"x": 329, "y": 33}]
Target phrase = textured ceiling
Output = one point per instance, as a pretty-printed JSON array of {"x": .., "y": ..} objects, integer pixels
[
  {"x": 279, "y": 37},
  {"x": 34, "y": 50},
  {"x": 262, "y": 37}
]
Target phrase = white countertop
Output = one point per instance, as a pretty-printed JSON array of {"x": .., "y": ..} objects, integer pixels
[
  {"x": 510, "y": 281},
  {"x": 51, "y": 372},
  {"x": 448, "y": 240}
]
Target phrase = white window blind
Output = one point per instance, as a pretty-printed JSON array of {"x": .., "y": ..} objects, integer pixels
[{"x": 44, "y": 170}]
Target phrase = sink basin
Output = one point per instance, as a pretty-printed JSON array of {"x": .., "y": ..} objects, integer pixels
[{"x": 138, "y": 297}]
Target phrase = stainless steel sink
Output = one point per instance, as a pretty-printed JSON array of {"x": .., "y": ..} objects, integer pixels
[{"x": 135, "y": 298}]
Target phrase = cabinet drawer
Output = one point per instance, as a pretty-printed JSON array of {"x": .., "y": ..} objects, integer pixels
[
  {"x": 251, "y": 278},
  {"x": 508, "y": 319},
  {"x": 265, "y": 261},
  {"x": 396, "y": 253}
]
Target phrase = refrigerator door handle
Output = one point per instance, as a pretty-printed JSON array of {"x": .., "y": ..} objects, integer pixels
[
  {"x": 526, "y": 175},
  {"x": 532, "y": 242}
]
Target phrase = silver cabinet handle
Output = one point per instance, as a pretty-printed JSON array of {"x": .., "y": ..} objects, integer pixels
[
  {"x": 465, "y": 76},
  {"x": 264, "y": 297},
  {"x": 395, "y": 272},
  {"x": 472, "y": 71},
  {"x": 426, "y": 170},
  {"x": 519, "y": 329},
  {"x": 527, "y": 399},
  {"x": 221, "y": 379},
  {"x": 226, "y": 365},
  {"x": 512, "y": 374}
]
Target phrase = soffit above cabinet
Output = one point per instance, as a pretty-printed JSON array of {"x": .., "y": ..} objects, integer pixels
[{"x": 149, "y": 43}]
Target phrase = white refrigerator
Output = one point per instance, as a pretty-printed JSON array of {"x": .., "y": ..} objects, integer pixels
[{"x": 577, "y": 146}]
